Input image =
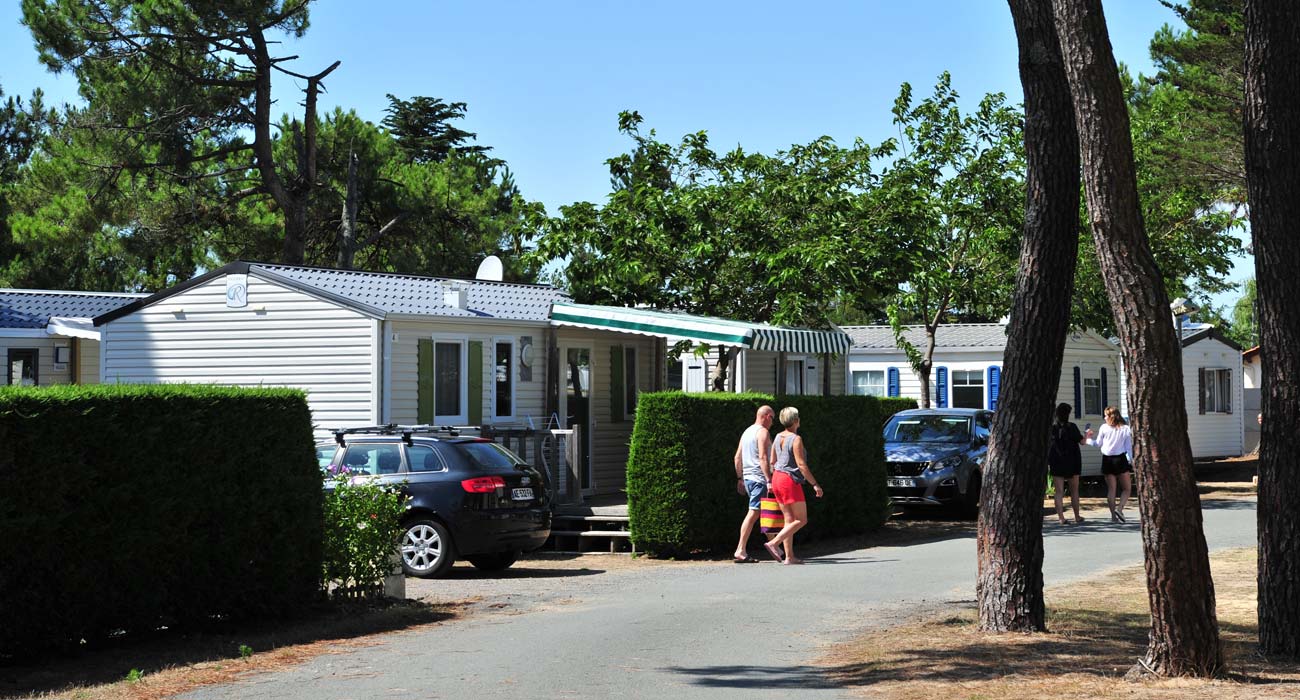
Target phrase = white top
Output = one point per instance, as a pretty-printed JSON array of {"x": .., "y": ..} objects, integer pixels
[
  {"x": 749, "y": 454},
  {"x": 1113, "y": 441}
]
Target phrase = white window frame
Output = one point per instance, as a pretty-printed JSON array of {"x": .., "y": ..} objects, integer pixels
[
  {"x": 884, "y": 381},
  {"x": 629, "y": 360},
  {"x": 461, "y": 418},
  {"x": 1093, "y": 374},
  {"x": 514, "y": 378},
  {"x": 952, "y": 386},
  {"x": 1212, "y": 390}
]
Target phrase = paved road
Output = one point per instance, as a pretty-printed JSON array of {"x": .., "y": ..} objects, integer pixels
[{"x": 696, "y": 632}]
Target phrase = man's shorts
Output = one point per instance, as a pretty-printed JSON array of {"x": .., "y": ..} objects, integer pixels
[{"x": 756, "y": 490}]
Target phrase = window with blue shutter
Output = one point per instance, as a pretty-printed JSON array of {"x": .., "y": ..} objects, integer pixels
[
  {"x": 995, "y": 384},
  {"x": 941, "y": 387},
  {"x": 892, "y": 381},
  {"x": 1078, "y": 393}
]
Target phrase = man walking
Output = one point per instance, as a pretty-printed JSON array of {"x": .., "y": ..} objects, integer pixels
[{"x": 753, "y": 473}]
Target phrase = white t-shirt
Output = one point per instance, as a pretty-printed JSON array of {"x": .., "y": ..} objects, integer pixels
[{"x": 1113, "y": 440}]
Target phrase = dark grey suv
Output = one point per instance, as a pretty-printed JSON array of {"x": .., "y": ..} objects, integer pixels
[{"x": 933, "y": 456}]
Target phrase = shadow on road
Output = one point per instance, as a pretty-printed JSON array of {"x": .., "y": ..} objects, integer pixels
[{"x": 469, "y": 574}]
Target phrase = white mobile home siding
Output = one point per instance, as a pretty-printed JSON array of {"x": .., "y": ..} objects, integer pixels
[
  {"x": 283, "y": 337},
  {"x": 1084, "y": 351},
  {"x": 1213, "y": 434}
]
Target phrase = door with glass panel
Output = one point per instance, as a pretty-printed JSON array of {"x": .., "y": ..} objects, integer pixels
[{"x": 575, "y": 405}]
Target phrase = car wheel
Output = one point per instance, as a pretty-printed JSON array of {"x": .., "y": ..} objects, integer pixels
[
  {"x": 970, "y": 503},
  {"x": 494, "y": 562},
  {"x": 427, "y": 550}
]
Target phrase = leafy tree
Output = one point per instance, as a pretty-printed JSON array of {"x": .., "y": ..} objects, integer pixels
[
  {"x": 954, "y": 195},
  {"x": 423, "y": 129},
  {"x": 1010, "y": 535},
  {"x": 176, "y": 87},
  {"x": 1243, "y": 324},
  {"x": 736, "y": 234},
  {"x": 1272, "y": 143},
  {"x": 22, "y": 126},
  {"x": 1184, "y": 635}
]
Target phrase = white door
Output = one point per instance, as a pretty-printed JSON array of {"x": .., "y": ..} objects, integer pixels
[{"x": 697, "y": 373}]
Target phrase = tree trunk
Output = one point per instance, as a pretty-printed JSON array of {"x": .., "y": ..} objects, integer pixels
[
  {"x": 1009, "y": 585},
  {"x": 718, "y": 380},
  {"x": 1184, "y": 637},
  {"x": 347, "y": 243},
  {"x": 1272, "y": 121}
]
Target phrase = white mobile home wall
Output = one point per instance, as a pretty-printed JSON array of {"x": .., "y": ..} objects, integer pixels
[
  {"x": 283, "y": 337},
  {"x": 1214, "y": 434},
  {"x": 756, "y": 370}
]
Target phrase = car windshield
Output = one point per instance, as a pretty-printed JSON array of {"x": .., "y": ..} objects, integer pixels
[{"x": 928, "y": 429}]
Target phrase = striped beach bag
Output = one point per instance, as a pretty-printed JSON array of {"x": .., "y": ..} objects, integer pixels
[{"x": 770, "y": 519}]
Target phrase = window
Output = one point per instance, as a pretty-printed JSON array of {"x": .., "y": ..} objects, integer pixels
[
  {"x": 1218, "y": 390},
  {"x": 23, "y": 367},
  {"x": 1092, "y": 400},
  {"x": 421, "y": 458},
  {"x": 372, "y": 458},
  {"x": 675, "y": 377},
  {"x": 630, "y": 389},
  {"x": 983, "y": 425},
  {"x": 869, "y": 382},
  {"x": 794, "y": 376},
  {"x": 967, "y": 388},
  {"x": 449, "y": 385},
  {"x": 503, "y": 396},
  {"x": 325, "y": 455}
]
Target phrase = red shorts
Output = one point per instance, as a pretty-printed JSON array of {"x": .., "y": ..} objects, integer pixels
[{"x": 785, "y": 489}]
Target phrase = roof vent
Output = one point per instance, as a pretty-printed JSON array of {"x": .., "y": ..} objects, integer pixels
[
  {"x": 490, "y": 270},
  {"x": 455, "y": 295}
]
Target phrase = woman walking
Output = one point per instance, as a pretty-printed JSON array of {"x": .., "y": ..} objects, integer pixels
[
  {"x": 1115, "y": 441},
  {"x": 789, "y": 473},
  {"x": 1064, "y": 462}
]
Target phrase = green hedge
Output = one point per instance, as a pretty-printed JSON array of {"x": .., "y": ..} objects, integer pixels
[
  {"x": 130, "y": 507},
  {"x": 681, "y": 483}
]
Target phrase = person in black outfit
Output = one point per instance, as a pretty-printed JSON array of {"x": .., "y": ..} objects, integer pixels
[{"x": 1064, "y": 461}]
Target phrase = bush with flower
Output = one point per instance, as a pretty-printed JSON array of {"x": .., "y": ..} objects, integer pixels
[{"x": 362, "y": 523}]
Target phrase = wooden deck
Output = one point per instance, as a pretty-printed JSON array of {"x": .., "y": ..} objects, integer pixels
[{"x": 596, "y": 525}]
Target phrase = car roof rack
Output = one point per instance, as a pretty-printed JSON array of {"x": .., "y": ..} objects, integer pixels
[{"x": 406, "y": 431}]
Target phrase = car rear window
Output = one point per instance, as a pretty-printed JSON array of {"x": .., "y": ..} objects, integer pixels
[{"x": 486, "y": 455}]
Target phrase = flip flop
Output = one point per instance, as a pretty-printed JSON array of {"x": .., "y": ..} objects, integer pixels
[
  {"x": 772, "y": 550},
  {"x": 745, "y": 560}
]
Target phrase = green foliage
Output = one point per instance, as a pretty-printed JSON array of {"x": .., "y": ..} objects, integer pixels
[
  {"x": 736, "y": 234},
  {"x": 955, "y": 199},
  {"x": 245, "y": 651},
  {"x": 1243, "y": 326},
  {"x": 423, "y": 130},
  {"x": 184, "y": 503},
  {"x": 134, "y": 675},
  {"x": 362, "y": 522},
  {"x": 681, "y": 485}
]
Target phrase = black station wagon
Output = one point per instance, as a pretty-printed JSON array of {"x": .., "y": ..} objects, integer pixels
[{"x": 468, "y": 496}]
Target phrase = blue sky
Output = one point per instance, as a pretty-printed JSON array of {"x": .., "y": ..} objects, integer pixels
[{"x": 545, "y": 80}]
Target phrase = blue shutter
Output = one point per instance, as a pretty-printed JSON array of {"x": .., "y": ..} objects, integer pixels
[
  {"x": 941, "y": 387},
  {"x": 891, "y": 387},
  {"x": 1105, "y": 395},
  {"x": 1078, "y": 393},
  {"x": 995, "y": 383}
]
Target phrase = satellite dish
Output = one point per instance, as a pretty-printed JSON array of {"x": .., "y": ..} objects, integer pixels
[{"x": 490, "y": 269}]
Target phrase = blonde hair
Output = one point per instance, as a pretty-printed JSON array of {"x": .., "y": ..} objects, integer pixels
[
  {"x": 789, "y": 415},
  {"x": 1113, "y": 418}
]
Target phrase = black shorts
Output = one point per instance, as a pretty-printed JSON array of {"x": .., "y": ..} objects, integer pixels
[
  {"x": 1115, "y": 464},
  {"x": 1065, "y": 471}
]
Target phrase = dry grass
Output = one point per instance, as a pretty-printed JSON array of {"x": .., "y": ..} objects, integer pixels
[
  {"x": 1098, "y": 630},
  {"x": 172, "y": 663}
]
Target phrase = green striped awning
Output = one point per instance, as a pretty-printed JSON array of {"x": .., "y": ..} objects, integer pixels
[{"x": 700, "y": 329}]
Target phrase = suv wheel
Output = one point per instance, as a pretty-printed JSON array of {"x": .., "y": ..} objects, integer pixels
[
  {"x": 494, "y": 562},
  {"x": 427, "y": 551},
  {"x": 970, "y": 503}
]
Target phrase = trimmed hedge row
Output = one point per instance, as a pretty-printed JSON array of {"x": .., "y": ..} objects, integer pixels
[
  {"x": 131, "y": 507},
  {"x": 681, "y": 483}
]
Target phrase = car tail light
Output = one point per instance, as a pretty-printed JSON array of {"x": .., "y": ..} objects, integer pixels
[{"x": 483, "y": 484}]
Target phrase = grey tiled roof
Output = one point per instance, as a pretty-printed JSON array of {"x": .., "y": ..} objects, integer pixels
[
  {"x": 954, "y": 335},
  {"x": 23, "y": 308},
  {"x": 409, "y": 294}
]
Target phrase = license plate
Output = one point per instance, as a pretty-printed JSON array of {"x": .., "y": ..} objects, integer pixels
[
  {"x": 522, "y": 494},
  {"x": 901, "y": 483}
]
